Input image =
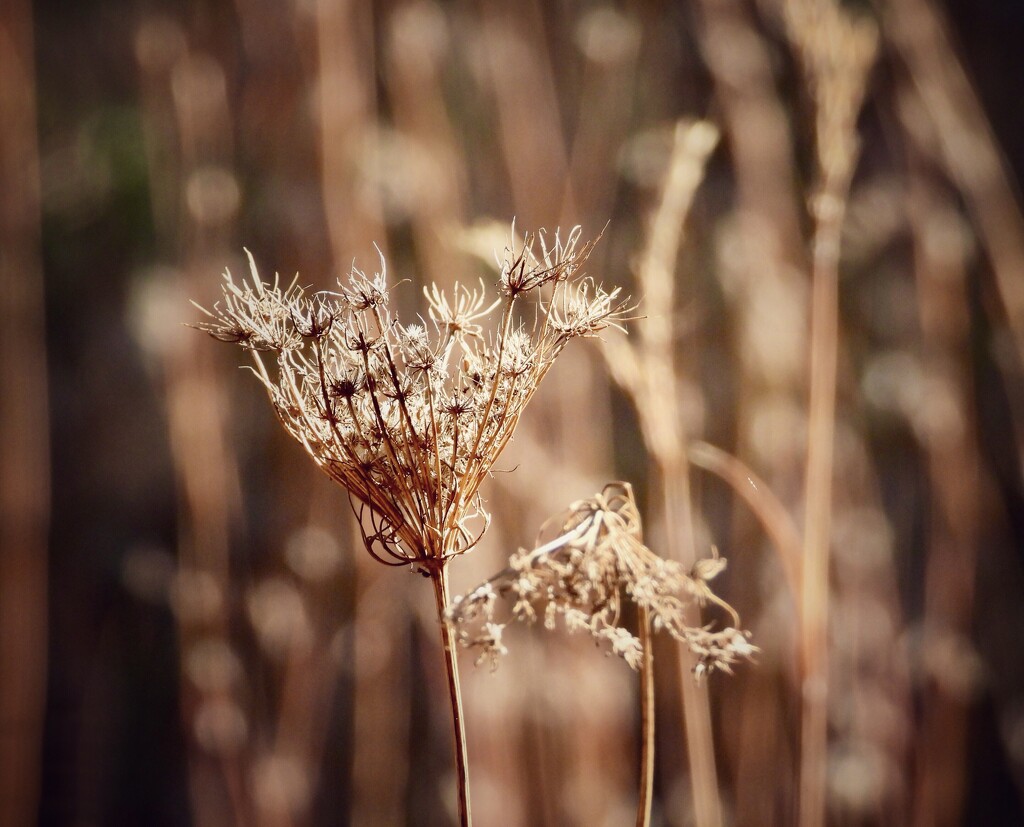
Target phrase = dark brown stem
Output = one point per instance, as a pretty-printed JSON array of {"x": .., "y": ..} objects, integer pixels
[
  {"x": 643, "y": 808},
  {"x": 439, "y": 577}
]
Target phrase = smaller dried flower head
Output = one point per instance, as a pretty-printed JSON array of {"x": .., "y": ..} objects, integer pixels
[
  {"x": 410, "y": 418},
  {"x": 535, "y": 262},
  {"x": 582, "y": 575}
]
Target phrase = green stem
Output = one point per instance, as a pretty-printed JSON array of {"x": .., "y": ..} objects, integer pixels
[{"x": 439, "y": 577}]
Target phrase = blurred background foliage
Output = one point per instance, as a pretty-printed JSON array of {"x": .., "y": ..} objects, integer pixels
[{"x": 190, "y": 630}]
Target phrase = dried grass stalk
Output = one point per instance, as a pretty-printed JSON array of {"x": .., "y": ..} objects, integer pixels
[
  {"x": 836, "y": 51},
  {"x": 648, "y": 373}
]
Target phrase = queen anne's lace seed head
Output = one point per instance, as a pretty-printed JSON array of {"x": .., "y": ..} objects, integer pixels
[
  {"x": 597, "y": 557},
  {"x": 536, "y": 262},
  {"x": 585, "y": 310},
  {"x": 460, "y": 315},
  {"x": 410, "y": 419}
]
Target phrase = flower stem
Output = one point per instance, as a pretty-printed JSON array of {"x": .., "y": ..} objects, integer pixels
[
  {"x": 439, "y": 577},
  {"x": 643, "y": 809}
]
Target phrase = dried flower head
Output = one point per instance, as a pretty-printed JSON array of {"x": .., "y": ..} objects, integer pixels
[
  {"x": 598, "y": 558},
  {"x": 410, "y": 418}
]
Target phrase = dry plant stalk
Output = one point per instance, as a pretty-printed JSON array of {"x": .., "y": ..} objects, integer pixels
[
  {"x": 582, "y": 575},
  {"x": 963, "y": 138},
  {"x": 947, "y": 437},
  {"x": 187, "y": 122},
  {"x": 836, "y": 51},
  {"x": 778, "y": 523},
  {"x": 647, "y": 373},
  {"x": 409, "y": 422}
]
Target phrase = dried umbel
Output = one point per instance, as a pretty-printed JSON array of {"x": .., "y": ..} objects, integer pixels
[
  {"x": 410, "y": 418},
  {"x": 597, "y": 559}
]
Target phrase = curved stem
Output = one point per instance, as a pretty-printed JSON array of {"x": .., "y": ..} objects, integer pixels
[
  {"x": 778, "y": 523},
  {"x": 700, "y": 744},
  {"x": 643, "y": 808},
  {"x": 439, "y": 577}
]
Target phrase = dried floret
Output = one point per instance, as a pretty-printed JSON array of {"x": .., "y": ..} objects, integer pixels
[{"x": 597, "y": 558}]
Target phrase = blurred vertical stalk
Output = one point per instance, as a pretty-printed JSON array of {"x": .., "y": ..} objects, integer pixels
[
  {"x": 762, "y": 262},
  {"x": 665, "y": 434},
  {"x": 347, "y": 94},
  {"x": 647, "y": 372},
  {"x": 24, "y": 429},
  {"x": 677, "y": 518},
  {"x": 757, "y": 127},
  {"x": 610, "y": 43},
  {"x": 966, "y": 145},
  {"x": 379, "y": 763},
  {"x": 947, "y": 433},
  {"x": 836, "y": 52},
  {"x": 195, "y": 198},
  {"x": 419, "y": 38},
  {"x": 824, "y": 344},
  {"x": 524, "y": 89},
  {"x": 523, "y": 52},
  {"x": 204, "y": 458}
]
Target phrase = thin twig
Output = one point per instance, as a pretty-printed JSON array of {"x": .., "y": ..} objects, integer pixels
[
  {"x": 647, "y": 720},
  {"x": 776, "y": 520},
  {"x": 439, "y": 578},
  {"x": 966, "y": 145}
]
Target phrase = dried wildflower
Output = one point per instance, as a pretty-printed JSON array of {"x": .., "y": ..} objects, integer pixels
[
  {"x": 582, "y": 575},
  {"x": 460, "y": 315},
  {"x": 585, "y": 311},
  {"x": 408, "y": 419},
  {"x": 526, "y": 268}
]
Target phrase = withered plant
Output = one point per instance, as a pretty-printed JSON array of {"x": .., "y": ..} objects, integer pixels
[
  {"x": 596, "y": 561},
  {"x": 409, "y": 418}
]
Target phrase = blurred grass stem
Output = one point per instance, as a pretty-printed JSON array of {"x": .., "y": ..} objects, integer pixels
[
  {"x": 818, "y": 516},
  {"x": 646, "y": 370},
  {"x": 24, "y": 431},
  {"x": 836, "y": 51},
  {"x": 778, "y": 523}
]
